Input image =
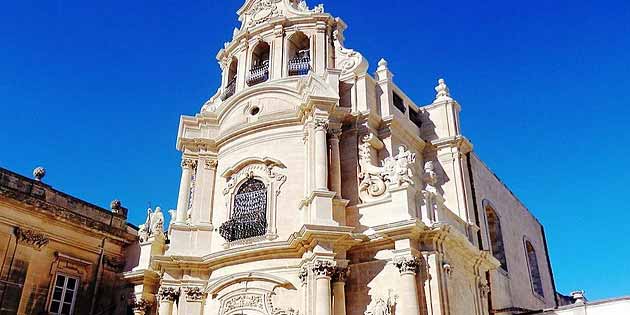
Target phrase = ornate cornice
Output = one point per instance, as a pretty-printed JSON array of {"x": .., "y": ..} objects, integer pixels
[
  {"x": 31, "y": 238},
  {"x": 407, "y": 264},
  {"x": 323, "y": 268}
]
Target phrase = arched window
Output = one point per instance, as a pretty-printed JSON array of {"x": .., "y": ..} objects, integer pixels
[
  {"x": 259, "y": 71},
  {"x": 248, "y": 217},
  {"x": 230, "y": 86},
  {"x": 299, "y": 54},
  {"x": 534, "y": 271},
  {"x": 496, "y": 236}
]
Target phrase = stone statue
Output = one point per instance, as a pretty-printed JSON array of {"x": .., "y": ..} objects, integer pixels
[
  {"x": 153, "y": 225},
  {"x": 398, "y": 168}
]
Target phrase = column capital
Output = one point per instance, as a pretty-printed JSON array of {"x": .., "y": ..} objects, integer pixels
[
  {"x": 407, "y": 264},
  {"x": 194, "y": 294},
  {"x": 335, "y": 133},
  {"x": 278, "y": 30},
  {"x": 140, "y": 306},
  {"x": 323, "y": 268},
  {"x": 188, "y": 163},
  {"x": 210, "y": 164},
  {"x": 340, "y": 274},
  {"x": 168, "y": 294},
  {"x": 321, "y": 124}
]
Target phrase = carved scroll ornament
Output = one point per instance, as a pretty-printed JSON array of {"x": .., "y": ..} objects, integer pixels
[
  {"x": 374, "y": 180},
  {"x": 31, "y": 238}
]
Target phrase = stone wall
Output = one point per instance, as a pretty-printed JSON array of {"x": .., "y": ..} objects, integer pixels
[{"x": 512, "y": 288}]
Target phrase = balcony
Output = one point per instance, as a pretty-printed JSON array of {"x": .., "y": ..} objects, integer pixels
[
  {"x": 258, "y": 74},
  {"x": 243, "y": 227},
  {"x": 299, "y": 65},
  {"x": 229, "y": 90}
]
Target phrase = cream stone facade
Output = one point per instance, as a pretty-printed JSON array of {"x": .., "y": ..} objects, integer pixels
[
  {"x": 60, "y": 254},
  {"x": 310, "y": 186}
]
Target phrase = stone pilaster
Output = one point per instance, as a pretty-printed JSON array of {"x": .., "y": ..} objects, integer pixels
[
  {"x": 321, "y": 154},
  {"x": 335, "y": 163}
]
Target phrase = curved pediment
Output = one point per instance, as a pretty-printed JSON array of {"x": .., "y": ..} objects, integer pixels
[
  {"x": 268, "y": 162},
  {"x": 229, "y": 280}
]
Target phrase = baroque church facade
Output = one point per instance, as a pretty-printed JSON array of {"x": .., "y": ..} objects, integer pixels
[{"x": 310, "y": 186}]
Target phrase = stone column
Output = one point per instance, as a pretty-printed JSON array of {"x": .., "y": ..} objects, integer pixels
[
  {"x": 323, "y": 270},
  {"x": 339, "y": 291},
  {"x": 167, "y": 296},
  {"x": 321, "y": 155},
  {"x": 335, "y": 162},
  {"x": 184, "y": 190},
  {"x": 408, "y": 293},
  {"x": 194, "y": 300}
]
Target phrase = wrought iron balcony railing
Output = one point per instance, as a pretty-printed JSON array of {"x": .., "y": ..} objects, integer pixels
[
  {"x": 299, "y": 65},
  {"x": 243, "y": 227},
  {"x": 229, "y": 90},
  {"x": 258, "y": 74}
]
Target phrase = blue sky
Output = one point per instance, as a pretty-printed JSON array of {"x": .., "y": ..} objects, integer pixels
[{"x": 93, "y": 91}]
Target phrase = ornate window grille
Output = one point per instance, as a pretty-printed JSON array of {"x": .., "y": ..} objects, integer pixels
[
  {"x": 258, "y": 74},
  {"x": 249, "y": 212}
]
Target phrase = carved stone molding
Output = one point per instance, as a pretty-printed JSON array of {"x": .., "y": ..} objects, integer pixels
[
  {"x": 249, "y": 301},
  {"x": 194, "y": 294},
  {"x": 189, "y": 163},
  {"x": 169, "y": 294},
  {"x": 31, "y": 238},
  {"x": 340, "y": 274},
  {"x": 262, "y": 11},
  {"x": 407, "y": 264},
  {"x": 323, "y": 268}
]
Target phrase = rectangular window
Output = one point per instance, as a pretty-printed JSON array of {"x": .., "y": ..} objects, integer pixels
[
  {"x": 415, "y": 118},
  {"x": 64, "y": 295}
]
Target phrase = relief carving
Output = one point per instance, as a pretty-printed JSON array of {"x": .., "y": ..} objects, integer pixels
[
  {"x": 31, "y": 238},
  {"x": 244, "y": 301},
  {"x": 262, "y": 11},
  {"x": 383, "y": 306},
  {"x": 374, "y": 180}
]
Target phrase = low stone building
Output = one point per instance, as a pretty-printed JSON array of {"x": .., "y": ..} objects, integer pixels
[{"x": 60, "y": 254}]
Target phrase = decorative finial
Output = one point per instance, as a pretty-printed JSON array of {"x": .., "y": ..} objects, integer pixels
[
  {"x": 443, "y": 93},
  {"x": 382, "y": 63},
  {"x": 579, "y": 297},
  {"x": 115, "y": 205},
  {"x": 39, "y": 173}
]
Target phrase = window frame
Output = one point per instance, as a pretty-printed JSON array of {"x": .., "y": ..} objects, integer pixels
[
  {"x": 540, "y": 295},
  {"x": 487, "y": 204},
  {"x": 63, "y": 293}
]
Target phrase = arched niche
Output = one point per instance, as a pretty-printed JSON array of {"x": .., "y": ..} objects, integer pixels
[{"x": 298, "y": 54}]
